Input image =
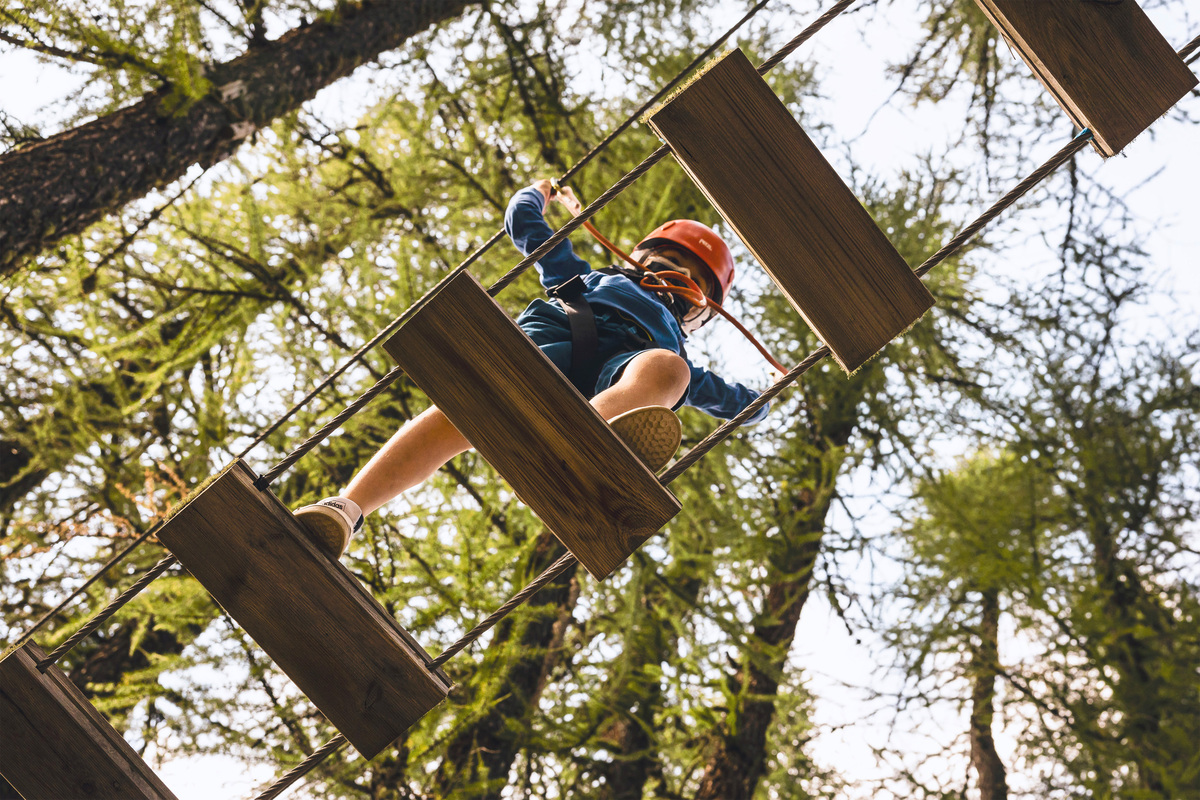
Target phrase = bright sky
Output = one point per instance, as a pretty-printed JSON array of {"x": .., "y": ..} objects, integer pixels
[{"x": 1157, "y": 177}]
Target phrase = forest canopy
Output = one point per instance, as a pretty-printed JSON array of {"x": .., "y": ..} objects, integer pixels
[{"x": 1001, "y": 508}]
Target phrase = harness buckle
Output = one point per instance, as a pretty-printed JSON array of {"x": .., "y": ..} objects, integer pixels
[{"x": 569, "y": 289}]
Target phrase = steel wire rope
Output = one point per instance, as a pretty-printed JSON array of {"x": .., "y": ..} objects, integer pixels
[
  {"x": 112, "y": 562},
  {"x": 555, "y": 239},
  {"x": 95, "y": 622},
  {"x": 567, "y": 559},
  {"x": 1188, "y": 49},
  {"x": 304, "y": 767},
  {"x": 695, "y": 453},
  {"x": 391, "y": 376},
  {"x": 701, "y": 449},
  {"x": 723, "y": 432}
]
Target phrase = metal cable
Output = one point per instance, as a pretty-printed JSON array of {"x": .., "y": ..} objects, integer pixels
[
  {"x": 1189, "y": 48},
  {"x": 349, "y": 411},
  {"x": 304, "y": 767},
  {"x": 708, "y": 51},
  {"x": 548, "y": 574},
  {"x": 112, "y": 562},
  {"x": 804, "y": 36},
  {"x": 95, "y": 622},
  {"x": 1054, "y": 162},
  {"x": 723, "y": 432}
]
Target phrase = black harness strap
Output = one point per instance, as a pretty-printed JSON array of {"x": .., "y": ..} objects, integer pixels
[
  {"x": 585, "y": 340},
  {"x": 585, "y": 337}
]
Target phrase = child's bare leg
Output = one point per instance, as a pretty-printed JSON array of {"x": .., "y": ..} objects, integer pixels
[
  {"x": 651, "y": 378},
  {"x": 418, "y": 449},
  {"x": 429, "y": 440}
]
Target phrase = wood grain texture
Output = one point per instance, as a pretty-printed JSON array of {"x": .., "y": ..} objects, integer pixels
[
  {"x": 511, "y": 402},
  {"x": 770, "y": 182},
  {"x": 1105, "y": 63},
  {"x": 54, "y": 744},
  {"x": 306, "y": 610}
]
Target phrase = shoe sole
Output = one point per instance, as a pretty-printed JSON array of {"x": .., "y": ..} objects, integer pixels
[
  {"x": 326, "y": 528},
  {"x": 653, "y": 433}
]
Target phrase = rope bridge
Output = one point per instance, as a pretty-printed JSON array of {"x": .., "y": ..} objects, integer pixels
[{"x": 689, "y": 459}]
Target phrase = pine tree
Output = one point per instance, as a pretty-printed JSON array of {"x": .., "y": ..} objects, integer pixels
[
  {"x": 145, "y": 353},
  {"x": 193, "y": 111}
]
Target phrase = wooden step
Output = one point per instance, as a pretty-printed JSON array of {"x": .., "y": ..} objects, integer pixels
[
  {"x": 54, "y": 744},
  {"x": 523, "y": 416},
  {"x": 307, "y": 611},
  {"x": 1105, "y": 63},
  {"x": 742, "y": 147}
]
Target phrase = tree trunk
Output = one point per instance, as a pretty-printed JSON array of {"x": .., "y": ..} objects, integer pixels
[
  {"x": 15, "y": 481},
  {"x": 1128, "y": 609},
  {"x": 626, "y": 776},
  {"x": 739, "y": 756},
  {"x": 479, "y": 757},
  {"x": 985, "y": 663},
  {"x": 629, "y": 733},
  {"x": 61, "y": 185}
]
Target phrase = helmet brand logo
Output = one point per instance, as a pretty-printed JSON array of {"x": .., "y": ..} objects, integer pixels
[{"x": 706, "y": 244}]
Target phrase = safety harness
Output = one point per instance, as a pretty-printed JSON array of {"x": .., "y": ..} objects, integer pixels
[
  {"x": 585, "y": 339},
  {"x": 585, "y": 336},
  {"x": 675, "y": 290}
]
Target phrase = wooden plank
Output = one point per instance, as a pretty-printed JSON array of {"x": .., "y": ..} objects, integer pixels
[
  {"x": 306, "y": 610},
  {"x": 758, "y": 167},
  {"x": 54, "y": 744},
  {"x": 511, "y": 402},
  {"x": 1104, "y": 62}
]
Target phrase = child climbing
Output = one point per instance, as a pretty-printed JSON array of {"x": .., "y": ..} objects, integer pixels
[{"x": 617, "y": 334}]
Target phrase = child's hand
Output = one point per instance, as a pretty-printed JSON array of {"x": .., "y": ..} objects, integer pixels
[{"x": 546, "y": 187}]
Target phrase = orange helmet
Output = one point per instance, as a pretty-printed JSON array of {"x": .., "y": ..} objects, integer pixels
[{"x": 700, "y": 240}]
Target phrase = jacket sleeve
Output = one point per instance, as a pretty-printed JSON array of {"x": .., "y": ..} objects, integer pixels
[
  {"x": 712, "y": 394},
  {"x": 525, "y": 225}
]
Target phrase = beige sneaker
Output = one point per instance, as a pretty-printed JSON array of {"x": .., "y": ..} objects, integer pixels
[
  {"x": 653, "y": 433},
  {"x": 331, "y": 523}
]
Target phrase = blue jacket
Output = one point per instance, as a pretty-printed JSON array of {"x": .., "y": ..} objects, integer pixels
[{"x": 527, "y": 227}]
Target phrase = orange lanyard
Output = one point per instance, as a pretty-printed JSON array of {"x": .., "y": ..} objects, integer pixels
[{"x": 674, "y": 283}]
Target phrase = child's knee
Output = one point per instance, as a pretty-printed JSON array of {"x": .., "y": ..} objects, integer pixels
[{"x": 668, "y": 367}]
